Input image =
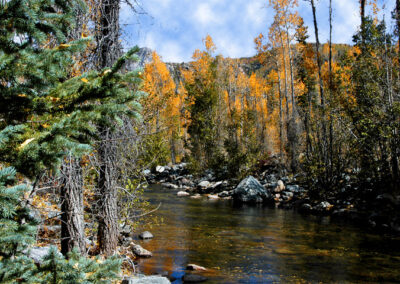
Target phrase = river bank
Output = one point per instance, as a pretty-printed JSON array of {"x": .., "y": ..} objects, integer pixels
[{"x": 371, "y": 209}]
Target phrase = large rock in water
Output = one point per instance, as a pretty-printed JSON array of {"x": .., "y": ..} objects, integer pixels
[{"x": 250, "y": 190}]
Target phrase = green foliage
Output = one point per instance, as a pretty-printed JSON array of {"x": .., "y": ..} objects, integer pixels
[
  {"x": 55, "y": 268},
  {"x": 373, "y": 119},
  {"x": 39, "y": 106},
  {"x": 155, "y": 151},
  {"x": 203, "y": 125},
  {"x": 76, "y": 269},
  {"x": 17, "y": 228}
]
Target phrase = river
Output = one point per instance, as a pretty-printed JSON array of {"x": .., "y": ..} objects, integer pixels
[{"x": 256, "y": 244}]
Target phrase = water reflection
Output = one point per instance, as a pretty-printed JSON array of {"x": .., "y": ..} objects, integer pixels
[{"x": 256, "y": 244}]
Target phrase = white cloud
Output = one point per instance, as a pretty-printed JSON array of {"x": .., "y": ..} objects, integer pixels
[
  {"x": 176, "y": 28},
  {"x": 204, "y": 14}
]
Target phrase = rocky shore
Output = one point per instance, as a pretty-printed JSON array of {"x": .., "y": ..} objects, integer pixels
[{"x": 372, "y": 209}]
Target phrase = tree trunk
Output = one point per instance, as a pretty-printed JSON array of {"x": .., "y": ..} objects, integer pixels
[
  {"x": 397, "y": 13},
  {"x": 173, "y": 147},
  {"x": 107, "y": 234},
  {"x": 109, "y": 50},
  {"x": 362, "y": 14},
  {"x": 71, "y": 194},
  {"x": 72, "y": 222},
  {"x": 107, "y": 33},
  {"x": 321, "y": 85},
  {"x": 280, "y": 114}
]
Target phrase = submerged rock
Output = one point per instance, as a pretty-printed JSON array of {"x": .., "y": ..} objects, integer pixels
[
  {"x": 250, "y": 190},
  {"x": 182, "y": 193}
]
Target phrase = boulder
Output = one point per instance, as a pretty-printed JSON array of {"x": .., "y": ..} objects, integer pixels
[
  {"x": 193, "y": 278},
  {"x": 219, "y": 186},
  {"x": 224, "y": 194},
  {"x": 160, "y": 169},
  {"x": 293, "y": 188},
  {"x": 279, "y": 186},
  {"x": 323, "y": 206},
  {"x": 305, "y": 208},
  {"x": 38, "y": 253},
  {"x": 204, "y": 184},
  {"x": 250, "y": 190},
  {"x": 125, "y": 230},
  {"x": 146, "y": 172},
  {"x": 195, "y": 267},
  {"x": 142, "y": 279},
  {"x": 270, "y": 178},
  {"x": 146, "y": 235},
  {"x": 186, "y": 182},
  {"x": 288, "y": 194},
  {"x": 139, "y": 251},
  {"x": 182, "y": 193},
  {"x": 170, "y": 185}
]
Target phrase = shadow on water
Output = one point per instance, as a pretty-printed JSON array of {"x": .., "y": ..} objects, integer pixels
[{"x": 256, "y": 244}]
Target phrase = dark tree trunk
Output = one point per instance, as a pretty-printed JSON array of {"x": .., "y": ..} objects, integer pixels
[
  {"x": 397, "y": 14},
  {"x": 109, "y": 50},
  {"x": 321, "y": 85},
  {"x": 362, "y": 12},
  {"x": 107, "y": 33},
  {"x": 72, "y": 222}
]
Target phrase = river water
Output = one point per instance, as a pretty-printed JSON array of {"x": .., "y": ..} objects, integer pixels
[{"x": 256, "y": 244}]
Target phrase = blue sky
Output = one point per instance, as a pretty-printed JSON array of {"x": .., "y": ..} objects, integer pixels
[{"x": 175, "y": 28}]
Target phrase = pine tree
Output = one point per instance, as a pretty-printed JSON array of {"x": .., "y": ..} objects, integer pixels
[{"x": 45, "y": 114}]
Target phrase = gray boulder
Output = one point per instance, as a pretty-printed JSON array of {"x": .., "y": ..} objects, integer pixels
[
  {"x": 250, "y": 190},
  {"x": 38, "y": 253}
]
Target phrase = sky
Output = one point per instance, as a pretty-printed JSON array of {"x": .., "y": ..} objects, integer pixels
[{"x": 175, "y": 28}]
